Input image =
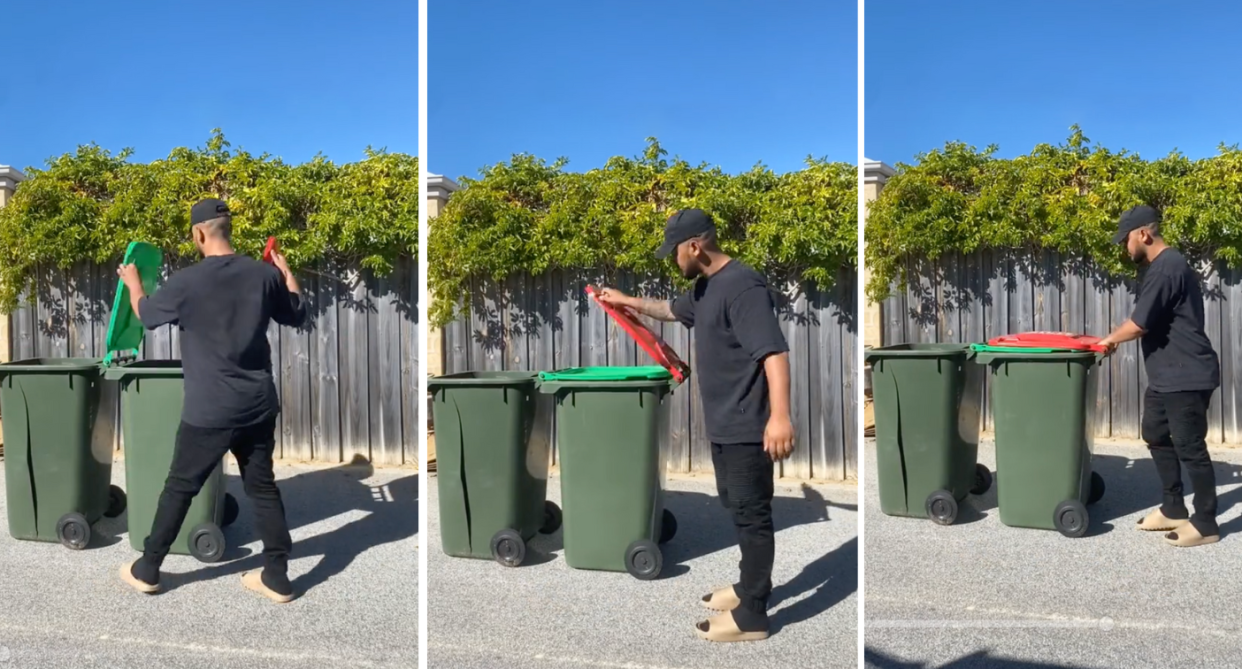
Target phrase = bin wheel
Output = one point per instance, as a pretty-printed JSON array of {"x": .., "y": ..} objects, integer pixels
[
  {"x": 643, "y": 560},
  {"x": 983, "y": 479},
  {"x": 551, "y": 518},
  {"x": 508, "y": 548},
  {"x": 942, "y": 507},
  {"x": 231, "y": 510},
  {"x": 668, "y": 527},
  {"x": 73, "y": 531},
  {"x": 207, "y": 543},
  {"x": 1097, "y": 488},
  {"x": 1071, "y": 518},
  {"x": 116, "y": 502}
]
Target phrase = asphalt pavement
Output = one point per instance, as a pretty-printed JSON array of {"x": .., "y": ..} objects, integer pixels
[
  {"x": 355, "y": 563},
  {"x": 981, "y": 594},
  {"x": 545, "y": 614}
]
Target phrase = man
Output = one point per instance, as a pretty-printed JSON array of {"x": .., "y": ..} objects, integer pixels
[
  {"x": 223, "y": 305},
  {"x": 1182, "y": 372},
  {"x": 743, "y": 372}
]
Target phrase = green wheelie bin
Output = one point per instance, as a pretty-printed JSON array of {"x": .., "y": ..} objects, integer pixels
[
  {"x": 927, "y": 416},
  {"x": 609, "y": 421},
  {"x": 59, "y": 432},
  {"x": 492, "y": 457},
  {"x": 151, "y": 395},
  {"x": 1043, "y": 407}
]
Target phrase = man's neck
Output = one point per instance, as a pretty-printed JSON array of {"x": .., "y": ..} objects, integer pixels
[
  {"x": 218, "y": 250},
  {"x": 1156, "y": 249},
  {"x": 718, "y": 261}
]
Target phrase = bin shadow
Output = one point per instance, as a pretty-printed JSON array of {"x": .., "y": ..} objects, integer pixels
[
  {"x": 982, "y": 659},
  {"x": 390, "y": 514},
  {"x": 109, "y": 531}
]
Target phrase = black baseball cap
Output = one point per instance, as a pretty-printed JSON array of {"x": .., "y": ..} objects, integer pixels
[
  {"x": 205, "y": 210},
  {"x": 684, "y": 226},
  {"x": 1133, "y": 219}
]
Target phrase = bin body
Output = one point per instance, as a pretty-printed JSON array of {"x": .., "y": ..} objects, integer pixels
[
  {"x": 152, "y": 392},
  {"x": 59, "y": 437},
  {"x": 1043, "y": 407},
  {"x": 927, "y": 419},
  {"x": 492, "y": 458},
  {"x": 608, "y": 436}
]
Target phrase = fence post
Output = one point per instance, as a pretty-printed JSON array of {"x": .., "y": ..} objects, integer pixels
[
  {"x": 439, "y": 189},
  {"x": 875, "y": 175},
  {"x": 9, "y": 178}
]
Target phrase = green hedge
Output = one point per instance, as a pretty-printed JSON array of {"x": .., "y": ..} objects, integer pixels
[
  {"x": 528, "y": 216},
  {"x": 88, "y": 206},
  {"x": 1065, "y": 198}
]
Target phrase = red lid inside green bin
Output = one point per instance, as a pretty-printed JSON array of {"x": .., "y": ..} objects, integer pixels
[
  {"x": 648, "y": 340},
  {"x": 1058, "y": 340}
]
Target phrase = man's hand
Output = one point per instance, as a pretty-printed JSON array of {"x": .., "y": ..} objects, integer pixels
[
  {"x": 1110, "y": 346},
  {"x": 614, "y": 297},
  {"x": 778, "y": 437},
  {"x": 130, "y": 277},
  {"x": 278, "y": 259}
]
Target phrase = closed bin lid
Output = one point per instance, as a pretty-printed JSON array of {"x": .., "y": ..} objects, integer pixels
[
  {"x": 646, "y": 373},
  {"x": 1057, "y": 341},
  {"x": 648, "y": 340},
  {"x": 125, "y": 330}
]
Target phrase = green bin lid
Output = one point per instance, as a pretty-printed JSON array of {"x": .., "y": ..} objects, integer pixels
[
  {"x": 645, "y": 373},
  {"x": 987, "y": 348},
  {"x": 125, "y": 330}
]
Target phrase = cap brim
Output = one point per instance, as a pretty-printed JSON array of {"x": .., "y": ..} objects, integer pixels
[
  {"x": 1121, "y": 236},
  {"x": 665, "y": 250}
]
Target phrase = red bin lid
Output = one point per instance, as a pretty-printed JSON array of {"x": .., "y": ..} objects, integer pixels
[
  {"x": 1041, "y": 339},
  {"x": 661, "y": 352}
]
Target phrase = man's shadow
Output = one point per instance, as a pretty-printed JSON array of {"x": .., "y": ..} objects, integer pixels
[
  {"x": 391, "y": 515},
  {"x": 978, "y": 660},
  {"x": 1132, "y": 485},
  {"x": 830, "y": 580}
]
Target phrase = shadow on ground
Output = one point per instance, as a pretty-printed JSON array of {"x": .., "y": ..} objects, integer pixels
[
  {"x": 706, "y": 528},
  {"x": 978, "y": 660},
  {"x": 318, "y": 495}
]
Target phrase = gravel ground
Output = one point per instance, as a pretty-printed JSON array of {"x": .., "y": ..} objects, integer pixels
[
  {"x": 544, "y": 614},
  {"x": 980, "y": 594},
  {"x": 355, "y": 562}
]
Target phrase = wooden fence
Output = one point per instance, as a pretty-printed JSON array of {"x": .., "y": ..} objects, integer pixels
[
  {"x": 545, "y": 323},
  {"x": 347, "y": 380},
  {"x": 971, "y": 298}
]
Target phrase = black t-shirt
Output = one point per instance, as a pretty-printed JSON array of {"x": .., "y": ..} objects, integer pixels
[
  {"x": 735, "y": 327},
  {"x": 1176, "y": 349},
  {"x": 223, "y": 306}
]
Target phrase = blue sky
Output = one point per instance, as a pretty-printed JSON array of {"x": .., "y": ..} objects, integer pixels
[
  {"x": 289, "y": 78},
  {"x": 1148, "y": 76},
  {"x": 727, "y": 82}
]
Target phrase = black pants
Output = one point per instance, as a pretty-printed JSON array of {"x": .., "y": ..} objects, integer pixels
[
  {"x": 197, "y": 453},
  {"x": 1175, "y": 428},
  {"x": 744, "y": 482}
]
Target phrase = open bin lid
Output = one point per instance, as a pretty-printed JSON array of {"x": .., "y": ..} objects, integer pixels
[
  {"x": 125, "y": 330},
  {"x": 648, "y": 340},
  {"x": 1053, "y": 341}
]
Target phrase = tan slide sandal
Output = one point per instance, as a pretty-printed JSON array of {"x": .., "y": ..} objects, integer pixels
[
  {"x": 723, "y": 599},
  {"x": 1187, "y": 536},
  {"x": 253, "y": 580},
  {"x": 722, "y": 628},
  {"x": 127, "y": 575},
  {"x": 1156, "y": 521}
]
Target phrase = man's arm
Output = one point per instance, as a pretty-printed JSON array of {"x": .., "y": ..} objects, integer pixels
[
  {"x": 1151, "y": 308},
  {"x": 753, "y": 317},
  {"x": 661, "y": 310},
  {"x": 155, "y": 310},
  {"x": 288, "y": 308}
]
